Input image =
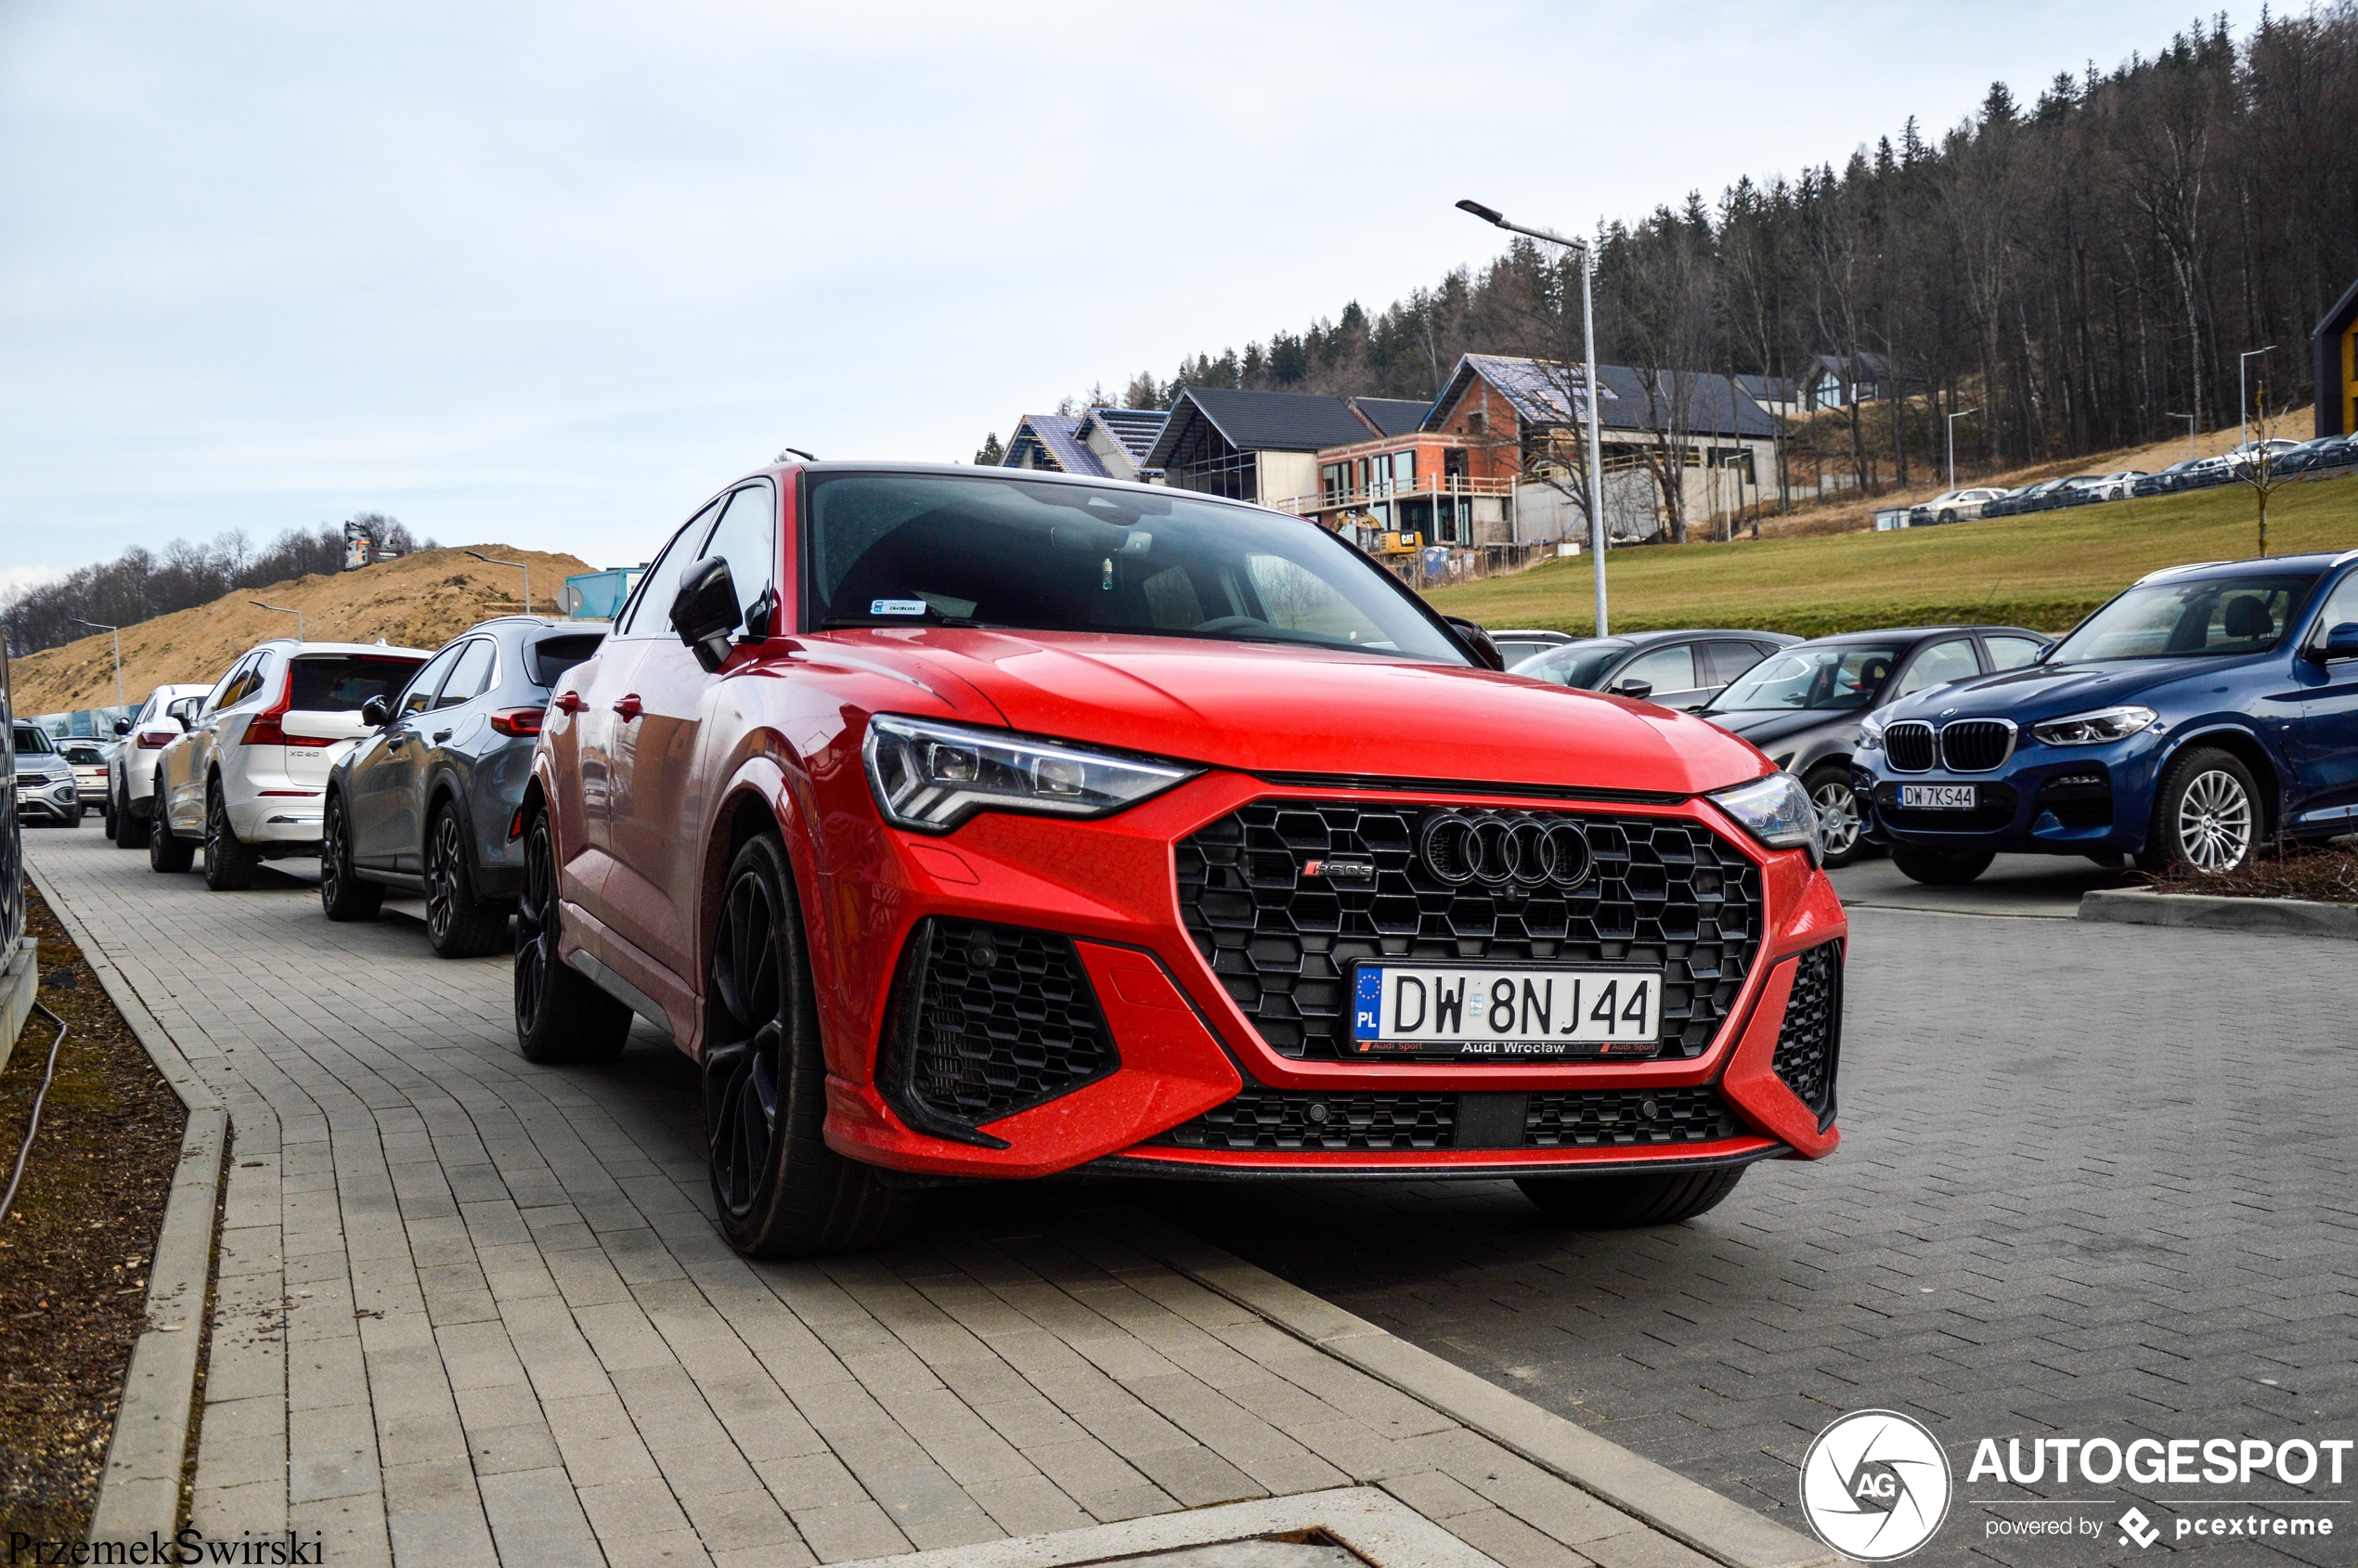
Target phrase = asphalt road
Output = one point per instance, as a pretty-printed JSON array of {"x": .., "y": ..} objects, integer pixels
[{"x": 2096, "y": 1181}]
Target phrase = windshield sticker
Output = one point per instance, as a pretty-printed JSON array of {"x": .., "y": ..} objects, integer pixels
[{"x": 897, "y": 607}]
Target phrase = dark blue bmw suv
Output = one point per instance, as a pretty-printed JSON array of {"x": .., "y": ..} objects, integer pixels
[{"x": 2195, "y": 717}]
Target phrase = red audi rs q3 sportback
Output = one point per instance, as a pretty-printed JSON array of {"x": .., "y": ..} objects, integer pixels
[{"x": 965, "y": 824}]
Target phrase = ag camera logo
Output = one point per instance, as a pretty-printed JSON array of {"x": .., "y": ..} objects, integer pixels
[{"x": 1875, "y": 1486}]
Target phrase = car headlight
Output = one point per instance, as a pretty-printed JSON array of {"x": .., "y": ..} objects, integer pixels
[
  {"x": 931, "y": 776},
  {"x": 1871, "y": 733},
  {"x": 2094, "y": 729},
  {"x": 1775, "y": 809}
]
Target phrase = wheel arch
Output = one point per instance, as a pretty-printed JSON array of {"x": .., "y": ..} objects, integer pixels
[
  {"x": 2244, "y": 747},
  {"x": 761, "y": 798}
]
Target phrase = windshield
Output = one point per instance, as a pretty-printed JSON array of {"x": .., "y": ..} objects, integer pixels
[
  {"x": 1577, "y": 667},
  {"x": 938, "y": 550},
  {"x": 2179, "y": 620},
  {"x": 30, "y": 741},
  {"x": 1830, "y": 678}
]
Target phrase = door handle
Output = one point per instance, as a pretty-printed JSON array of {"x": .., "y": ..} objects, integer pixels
[
  {"x": 395, "y": 743},
  {"x": 569, "y": 701},
  {"x": 440, "y": 736},
  {"x": 629, "y": 707}
]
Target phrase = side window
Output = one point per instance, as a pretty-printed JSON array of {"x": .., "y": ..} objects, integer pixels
[
  {"x": 257, "y": 675},
  {"x": 748, "y": 539},
  {"x": 1663, "y": 669},
  {"x": 470, "y": 676},
  {"x": 646, "y": 616},
  {"x": 1938, "y": 665},
  {"x": 219, "y": 697},
  {"x": 2014, "y": 652},
  {"x": 1730, "y": 660},
  {"x": 418, "y": 695},
  {"x": 2341, "y": 607}
]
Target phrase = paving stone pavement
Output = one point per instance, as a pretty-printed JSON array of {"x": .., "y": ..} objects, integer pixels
[
  {"x": 471, "y": 1311},
  {"x": 2095, "y": 1180}
]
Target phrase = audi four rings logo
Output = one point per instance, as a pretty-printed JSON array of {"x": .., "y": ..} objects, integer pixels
[{"x": 1504, "y": 852}]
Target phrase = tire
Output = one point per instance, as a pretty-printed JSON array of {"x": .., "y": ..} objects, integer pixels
[
  {"x": 130, "y": 831},
  {"x": 559, "y": 1015},
  {"x": 105, "y": 817},
  {"x": 1940, "y": 868},
  {"x": 2207, "y": 817},
  {"x": 1950, "y": 516},
  {"x": 343, "y": 895},
  {"x": 778, "y": 1191},
  {"x": 1838, "y": 814},
  {"x": 228, "y": 864},
  {"x": 1619, "y": 1202},
  {"x": 167, "y": 851},
  {"x": 458, "y": 923}
]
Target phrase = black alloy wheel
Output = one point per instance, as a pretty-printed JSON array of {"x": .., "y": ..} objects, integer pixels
[
  {"x": 1620, "y": 1203},
  {"x": 167, "y": 851},
  {"x": 228, "y": 864},
  {"x": 561, "y": 1017},
  {"x": 342, "y": 893},
  {"x": 779, "y": 1189},
  {"x": 458, "y": 923}
]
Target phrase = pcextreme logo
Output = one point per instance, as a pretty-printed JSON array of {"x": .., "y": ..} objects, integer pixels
[{"x": 1875, "y": 1486}]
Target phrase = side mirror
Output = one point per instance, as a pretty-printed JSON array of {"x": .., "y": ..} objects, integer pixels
[
  {"x": 704, "y": 611},
  {"x": 1637, "y": 691},
  {"x": 185, "y": 710},
  {"x": 1485, "y": 651},
  {"x": 121, "y": 726},
  {"x": 376, "y": 712},
  {"x": 2341, "y": 642}
]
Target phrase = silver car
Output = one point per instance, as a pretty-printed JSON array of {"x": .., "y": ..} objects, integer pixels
[
  {"x": 47, "y": 789},
  {"x": 428, "y": 804}
]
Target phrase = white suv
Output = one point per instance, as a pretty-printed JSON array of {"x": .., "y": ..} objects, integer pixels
[
  {"x": 131, "y": 763},
  {"x": 247, "y": 777}
]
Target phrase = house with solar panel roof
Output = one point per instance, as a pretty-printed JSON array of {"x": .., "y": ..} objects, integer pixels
[{"x": 1099, "y": 443}]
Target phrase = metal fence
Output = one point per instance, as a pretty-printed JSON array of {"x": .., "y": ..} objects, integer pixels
[{"x": 1446, "y": 566}]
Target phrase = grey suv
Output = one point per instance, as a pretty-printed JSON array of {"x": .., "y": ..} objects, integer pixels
[{"x": 428, "y": 804}]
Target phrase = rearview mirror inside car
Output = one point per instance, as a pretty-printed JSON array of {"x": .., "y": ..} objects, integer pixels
[
  {"x": 376, "y": 712},
  {"x": 704, "y": 611},
  {"x": 1486, "y": 652}
]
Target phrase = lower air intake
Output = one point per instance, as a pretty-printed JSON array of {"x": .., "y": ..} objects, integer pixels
[
  {"x": 1299, "y": 1119},
  {"x": 1811, "y": 1039}
]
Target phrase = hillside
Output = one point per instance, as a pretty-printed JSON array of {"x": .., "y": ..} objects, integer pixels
[
  {"x": 2046, "y": 570},
  {"x": 420, "y": 601}
]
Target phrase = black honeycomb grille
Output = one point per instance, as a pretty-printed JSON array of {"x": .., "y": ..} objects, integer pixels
[
  {"x": 992, "y": 1020},
  {"x": 1665, "y": 892},
  {"x": 1296, "y": 1119},
  {"x": 1811, "y": 1038},
  {"x": 1624, "y": 1117}
]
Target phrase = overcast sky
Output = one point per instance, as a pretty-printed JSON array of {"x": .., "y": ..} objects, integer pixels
[{"x": 550, "y": 274}]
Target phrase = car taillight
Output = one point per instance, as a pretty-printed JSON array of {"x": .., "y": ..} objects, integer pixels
[
  {"x": 265, "y": 727},
  {"x": 522, "y": 722},
  {"x": 156, "y": 740}
]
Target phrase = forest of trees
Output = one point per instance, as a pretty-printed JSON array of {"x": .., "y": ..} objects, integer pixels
[
  {"x": 140, "y": 584},
  {"x": 2083, "y": 267}
]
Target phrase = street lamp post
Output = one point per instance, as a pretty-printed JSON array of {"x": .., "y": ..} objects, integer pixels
[
  {"x": 1952, "y": 443},
  {"x": 281, "y": 609},
  {"x": 117, "y": 654},
  {"x": 524, "y": 566},
  {"x": 1588, "y": 339},
  {"x": 2243, "y": 403}
]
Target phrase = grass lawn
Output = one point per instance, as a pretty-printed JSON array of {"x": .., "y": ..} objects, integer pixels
[{"x": 2045, "y": 571}]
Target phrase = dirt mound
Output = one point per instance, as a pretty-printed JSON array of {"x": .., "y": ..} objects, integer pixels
[{"x": 420, "y": 601}]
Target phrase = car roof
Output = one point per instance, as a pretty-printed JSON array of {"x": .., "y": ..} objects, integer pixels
[
  {"x": 2264, "y": 566},
  {"x": 1914, "y": 634},
  {"x": 303, "y": 649}
]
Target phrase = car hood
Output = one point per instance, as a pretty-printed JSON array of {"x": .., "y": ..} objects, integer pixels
[
  {"x": 1269, "y": 709},
  {"x": 2039, "y": 693},
  {"x": 44, "y": 767},
  {"x": 1767, "y": 726}
]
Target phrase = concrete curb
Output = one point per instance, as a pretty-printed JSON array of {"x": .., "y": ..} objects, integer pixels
[
  {"x": 19, "y": 980},
  {"x": 2280, "y": 918},
  {"x": 1685, "y": 1509},
  {"x": 139, "y": 1489}
]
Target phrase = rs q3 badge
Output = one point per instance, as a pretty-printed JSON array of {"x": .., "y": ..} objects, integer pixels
[{"x": 1344, "y": 870}]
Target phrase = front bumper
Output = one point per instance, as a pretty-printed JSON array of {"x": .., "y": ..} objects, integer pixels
[
  {"x": 50, "y": 803},
  {"x": 2045, "y": 800},
  {"x": 1199, "y": 1089}
]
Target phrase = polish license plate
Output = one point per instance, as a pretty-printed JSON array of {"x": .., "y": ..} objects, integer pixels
[
  {"x": 1937, "y": 798},
  {"x": 1458, "y": 1011}
]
